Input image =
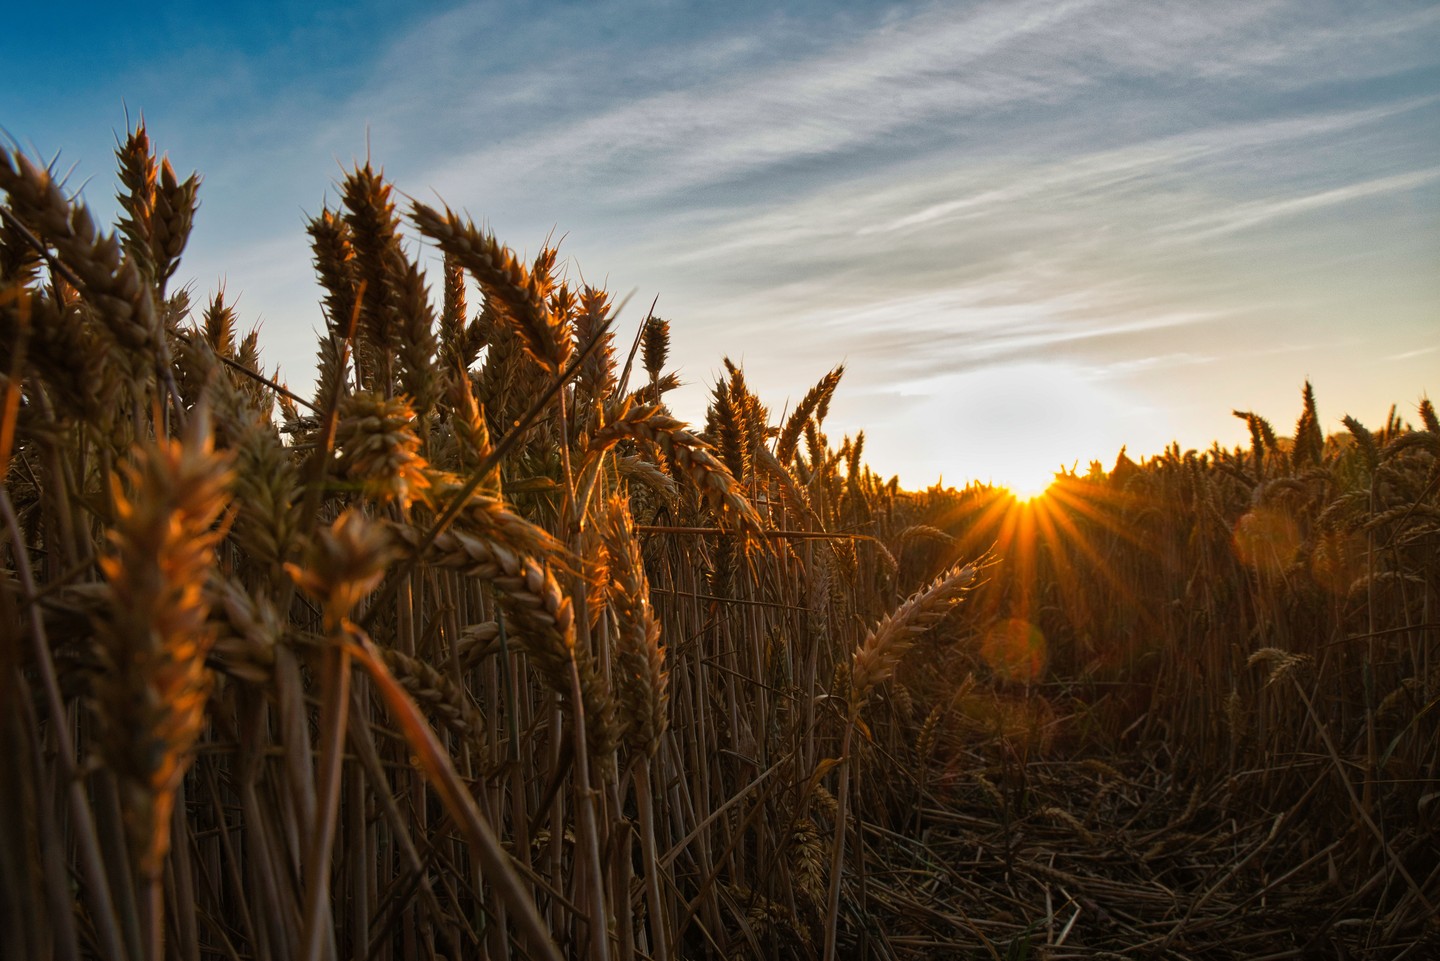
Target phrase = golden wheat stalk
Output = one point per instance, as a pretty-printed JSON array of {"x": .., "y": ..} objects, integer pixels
[
  {"x": 152, "y": 641},
  {"x": 641, "y": 683},
  {"x": 876, "y": 657},
  {"x": 151, "y": 694},
  {"x": 111, "y": 282},
  {"x": 343, "y": 564},
  {"x": 518, "y": 295},
  {"x": 690, "y": 455},
  {"x": 379, "y": 449}
]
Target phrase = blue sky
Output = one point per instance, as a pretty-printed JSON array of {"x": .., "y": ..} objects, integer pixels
[{"x": 1033, "y": 232}]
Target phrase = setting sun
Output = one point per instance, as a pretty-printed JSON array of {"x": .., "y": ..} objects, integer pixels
[
  {"x": 1020, "y": 425},
  {"x": 1025, "y": 485}
]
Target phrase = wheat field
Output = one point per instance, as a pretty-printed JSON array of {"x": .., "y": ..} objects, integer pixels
[{"x": 479, "y": 652}]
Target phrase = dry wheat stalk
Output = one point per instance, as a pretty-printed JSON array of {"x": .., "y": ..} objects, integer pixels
[
  {"x": 342, "y": 564},
  {"x": 249, "y": 627},
  {"x": 539, "y": 613},
  {"x": 335, "y": 269},
  {"x": 159, "y": 208},
  {"x": 641, "y": 683},
  {"x": 811, "y": 407},
  {"x": 655, "y": 345},
  {"x": 437, "y": 694},
  {"x": 877, "y": 656},
  {"x": 111, "y": 283},
  {"x": 515, "y": 293},
  {"x": 379, "y": 449},
  {"x": 690, "y": 455},
  {"x": 151, "y": 692}
]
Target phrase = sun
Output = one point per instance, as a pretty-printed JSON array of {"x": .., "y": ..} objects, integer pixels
[
  {"x": 1017, "y": 425},
  {"x": 1027, "y": 486},
  {"x": 1026, "y": 473},
  {"x": 1028, "y": 490}
]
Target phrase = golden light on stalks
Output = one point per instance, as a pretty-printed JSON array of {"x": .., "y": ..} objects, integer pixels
[
  {"x": 110, "y": 281},
  {"x": 343, "y": 563},
  {"x": 379, "y": 449},
  {"x": 516, "y": 294},
  {"x": 1206, "y": 656},
  {"x": 151, "y": 693}
]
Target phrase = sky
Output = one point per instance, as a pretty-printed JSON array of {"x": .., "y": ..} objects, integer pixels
[{"x": 1032, "y": 232}]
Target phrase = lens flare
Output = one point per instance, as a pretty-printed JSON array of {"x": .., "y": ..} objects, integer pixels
[
  {"x": 1016, "y": 651},
  {"x": 1267, "y": 540}
]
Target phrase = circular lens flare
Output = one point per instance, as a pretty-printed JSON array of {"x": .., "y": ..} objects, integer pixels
[{"x": 1016, "y": 651}]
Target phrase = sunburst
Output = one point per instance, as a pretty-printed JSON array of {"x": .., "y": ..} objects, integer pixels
[{"x": 1053, "y": 540}]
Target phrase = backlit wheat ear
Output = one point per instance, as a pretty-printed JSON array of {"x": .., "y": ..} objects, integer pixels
[
  {"x": 469, "y": 442},
  {"x": 267, "y": 487},
  {"x": 158, "y": 208},
  {"x": 690, "y": 455},
  {"x": 65, "y": 348},
  {"x": 877, "y": 656},
  {"x": 726, "y": 428},
  {"x": 655, "y": 345},
  {"x": 1427, "y": 416},
  {"x": 517, "y": 294},
  {"x": 218, "y": 324},
  {"x": 395, "y": 340},
  {"x": 379, "y": 449},
  {"x": 814, "y": 403},
  {"x": 175, "y": 203},
  {"x": 150, "y": 695},
  {"x": 138, "y": 176},
  {"x": 343, "y": 563},
  {"x": 334, "y": 253},
  {"x": 441, "y": 697},
  {"x": 110, "y": 282},
  {"x": 596, "y": 381},
  {"x": 490, "y": 543},
  {"x": 454, "y": 309},
  {"x": 249, "y": 629},
  {"x": 374, "y": 238}
]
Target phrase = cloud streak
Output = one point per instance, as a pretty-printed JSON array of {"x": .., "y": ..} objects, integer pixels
[{"x": 1153, "y": 193}]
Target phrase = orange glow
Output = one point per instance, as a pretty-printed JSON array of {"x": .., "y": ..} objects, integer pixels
[
  {"x": 1016, "y": 651},
  {"x": 1027, "y": 486},
  {"x": 1061, "y": 539},
  {"x": 1267, "y": 539}
]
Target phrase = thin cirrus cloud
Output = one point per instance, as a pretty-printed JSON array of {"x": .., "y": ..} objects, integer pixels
[
  {"x": 1160, "y": 198},
  {"x": 942, "y": 67},
  {"x": 1245, "y": 216},
  {"x": 937, "y": 190}
]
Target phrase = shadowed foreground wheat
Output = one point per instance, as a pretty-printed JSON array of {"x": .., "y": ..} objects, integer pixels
[{"x": 480, "y": 652}]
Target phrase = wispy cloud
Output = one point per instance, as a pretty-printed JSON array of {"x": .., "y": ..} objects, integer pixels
[
  {"x": 1247, "y": 215},
  {"x": 937, "y": 78},
  {"x": 1412, "y": 354},
  {"x": 1148, "y": 192}
]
